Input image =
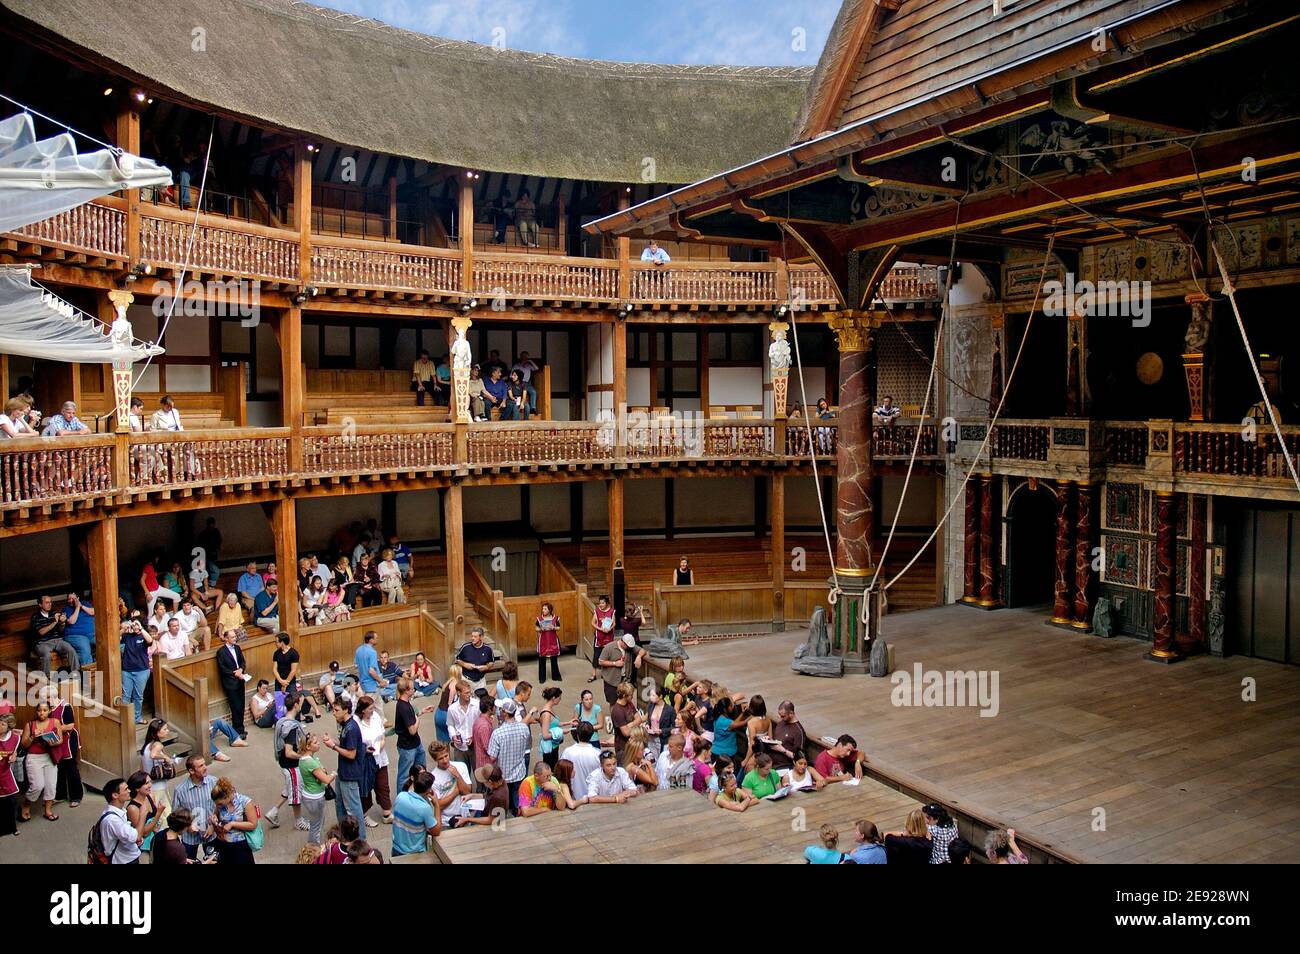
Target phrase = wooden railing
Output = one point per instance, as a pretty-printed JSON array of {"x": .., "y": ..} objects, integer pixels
[
  {"x": 809, "y": 284},
  {"x": 540, "y": 442},
  {"x": 491, "y": 607},
  {"x": 1225, "y": 450},
  {"x": 182, "y": 701},
  {"x": 897, "y": 440},
  {"x": 376, "y": 449},
  {"x": 185, "y": 458},
  {"x": 438, "y": 646},
  {"x": 549, "y": 277},
  {"x": 736, "y": 604},
  {"x": 825, "y": 438},
  {"x": 354, "y": 263},
  {"x": 49, "y": 470},
  {"x": 1126, "y": 444},
  {"x": 1013, "y": 441},
  {"x": 220, "y": 246},
  {"x": 95, "y": 228},
  {"x": 704, "y": 282},
  {"x": 910, "y": 283}
]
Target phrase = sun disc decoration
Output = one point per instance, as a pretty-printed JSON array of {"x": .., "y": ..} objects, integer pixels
[{"x": 1150, "y": 368}]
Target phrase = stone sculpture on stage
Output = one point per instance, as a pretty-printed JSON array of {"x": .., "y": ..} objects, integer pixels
[
  {"x": 670, "y": 643},
  {"x": 814, "y": 658}
]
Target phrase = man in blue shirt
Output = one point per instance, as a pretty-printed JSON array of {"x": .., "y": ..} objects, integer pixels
[
  {"x": 869, "y": 850},
  {"x": 249, "y": 585},
  {"x": 80, "y": 628},
  {"x": 135, "y": 664},
  {"x": 496, "y": 391},
  {"x": 414, "y": 817},
  {"x": 653, "y": 253},
  {"x": 367, "y": 662},
  {"x": 65, "y": 422},
  {"x": 266, "y": 606},
  {"x": 351, "y": 751}
]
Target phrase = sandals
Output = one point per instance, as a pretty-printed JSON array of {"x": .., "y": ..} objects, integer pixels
[{"x": 50, "y": 817}]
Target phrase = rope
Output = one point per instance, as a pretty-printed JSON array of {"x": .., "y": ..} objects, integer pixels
[
  {"x": 116, "y": 150},
  {"x": 185, "y": 263}
]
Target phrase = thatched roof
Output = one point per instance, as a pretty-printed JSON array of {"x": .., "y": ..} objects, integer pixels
[{"x": 359, "y": 82}]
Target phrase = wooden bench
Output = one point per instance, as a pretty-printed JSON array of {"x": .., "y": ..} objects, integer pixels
[{"x": 199, "y": 410}]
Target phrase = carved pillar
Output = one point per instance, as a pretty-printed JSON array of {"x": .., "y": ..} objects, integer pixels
[
  {"x": 1162, "y": 629},
  {"x": 1064, "y": 582},
  {"x": 988, "y": 544},
  {"x": 998, "y": 324},
  {"x": 121, "y": 369},
  {"x": 1195, "y": 343},
  {"x": 1085, "y": 538},
  {"x": 1194, "y": 640},
  {"x": 779, "y": 360},
  {"x": 853, "y": 509},
  {"x": 970, "y": 568},
  {"x": 1074, "y": 367},
  {"x": 461, "y": 360}
]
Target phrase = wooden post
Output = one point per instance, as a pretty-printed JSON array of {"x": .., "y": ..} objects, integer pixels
[
  {"x": 128, "y": 138},
  {"x": 625, "y": 264},
  {"x": 288, "y": 329},
  {"x": 561, "y": 227},
  {"x": 302, "y": 209},
  {"x": 702, "y": 355},
  {"x": 614, "y": 497},
  {"x": 453, "y": 520},
  {"x": 392, "y": 208},
  {"x": 776, "y": 515},
  {"x": 101, "y": 548},
  {"x": 619, "y": 396},
  {"x": 1162, "y": 625},
  {"x": 466, "y": 236},
  {"x": 283, "y": 517},
  {"x": 1063, "y": 590}
]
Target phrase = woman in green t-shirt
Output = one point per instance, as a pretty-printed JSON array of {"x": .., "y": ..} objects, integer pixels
[{"x": 314, "y": 781}]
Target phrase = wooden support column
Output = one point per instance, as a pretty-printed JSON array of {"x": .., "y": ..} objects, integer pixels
[
  {"x": 776, "y": 514},
  {"x": 1063, "y": 591},
  {"x": 619, "y": 396},
  {"x": 1085, "y": 541},
  {"x": 1194, "y": 640},
  {"x": 466, "y": 213},
  {"x": 288, "y": 329},
  {"x": 971, "y": 544},
  {"x": 453, "y": 520},
  {"x": 101, "y": 551},
  {"x": 392, "y": 207},
  {"x": 1162, "y": 627},
  {"x": 614, "y": 501},
  {"x": 283, "y": 517},
  {"x": 302, "y": 163},
  {"x": 988, "y": 545},
  {"x": 625, "y": 270},
  {"x": 128, "y": 138},
  {"x": 702, "y": 348}
]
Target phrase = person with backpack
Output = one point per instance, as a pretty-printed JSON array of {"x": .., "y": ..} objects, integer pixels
[
  {"x": 286, "y": 741},
  {"x": 113, "y": 839}
]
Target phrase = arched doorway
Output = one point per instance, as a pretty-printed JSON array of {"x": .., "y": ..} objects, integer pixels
[{"x": 1031, "y": 546}]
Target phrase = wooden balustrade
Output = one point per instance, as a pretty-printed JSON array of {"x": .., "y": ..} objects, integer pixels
[
  {"x": 46, "y": 470},
  {"x": 540, "y": 442},
  {"x": 514, "y": 276},
  {"x": 825, "y": 438},
  {"x": 1126, "y": 444},
  {"x": 896, "y": 440},
  {"x": 95, "y": 228},
  {"x": 220, "y": 246},
  {"x": 910, "y": 283},
  {"x": 491, "y": 607},
  {"x": 811, "y": 285},
  {"x": 738, "y": 439},
  {"x": 1021, "y": 441},
  {"x": 1225, "y": 451},
  {"x": 705, "y": 282},
  {"x": 359, "y": 264},
  {"x": 377, "y": 449},
  {"x": 180, "y": 459}
]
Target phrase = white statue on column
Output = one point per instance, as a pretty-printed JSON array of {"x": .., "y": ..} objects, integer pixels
[
  {"x": 461, "y": 360},
  {"x": 122, "y": 336},
  {"x": 778, "y": 359}
]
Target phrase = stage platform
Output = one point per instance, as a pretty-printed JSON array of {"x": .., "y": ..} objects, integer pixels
[
  {"x": 1093, "y": 748},
  {"x": 675, "y": 828}
]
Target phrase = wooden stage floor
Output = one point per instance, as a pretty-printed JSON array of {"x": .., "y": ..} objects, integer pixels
[
  {"x": 1184, "y": 769},
  {"x": 676, "y": 827}
]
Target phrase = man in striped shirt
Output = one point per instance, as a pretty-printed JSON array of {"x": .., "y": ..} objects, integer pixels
[
  {"x": 509, "y": 746},
  {"x": 195, "y": 795}
]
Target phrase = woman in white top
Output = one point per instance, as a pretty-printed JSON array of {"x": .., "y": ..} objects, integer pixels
[
  {"x": 167, "y": 418},
  {"x": 371, "y": 721},
  {"x": 313, "y": 600},
  {"x": 13, "y": 422},
  {"x": 803, "y": 776},
  {"x": 390, "y": 578}
]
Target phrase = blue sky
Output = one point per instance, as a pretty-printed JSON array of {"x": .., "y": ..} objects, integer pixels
[{"x": 733, "y": 32}]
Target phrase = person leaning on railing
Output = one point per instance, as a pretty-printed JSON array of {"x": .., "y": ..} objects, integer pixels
[
  {"x": 15, "y": 421},
  {"x": 65, "y": 422}
]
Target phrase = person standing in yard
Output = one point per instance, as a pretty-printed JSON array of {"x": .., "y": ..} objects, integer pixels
[{"x": 548, "y": 643}]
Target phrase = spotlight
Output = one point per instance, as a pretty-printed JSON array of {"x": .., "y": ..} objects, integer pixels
[
  {"x": 299, "y": 298},
  {"x": 624, "y": 310},
  {"x": 108, "y": 91},
  {"x": 468, "y": 305},
  {"x": 138, "y": 271},
  {"x": 139, "y": 95},
  {"x": 312, "y": 290},
  {"x": 781, "y": 310}
]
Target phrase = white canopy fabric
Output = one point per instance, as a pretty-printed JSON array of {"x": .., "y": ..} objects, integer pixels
[
  {"x": 38, "y": 324},
  {"x": 41, "y": 178}
]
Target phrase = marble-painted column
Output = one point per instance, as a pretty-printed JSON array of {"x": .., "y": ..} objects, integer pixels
[
  {"x": 1162, "y": 627},
  {"x": 971, "y": 542},
  {"x": 1085, "y": 541},
  {"x": 988, "y": 545},
  {"x": 853, "y": 508},
  {"x": 1063, "y": 591},
  {"x": 1194, "y": 641}
]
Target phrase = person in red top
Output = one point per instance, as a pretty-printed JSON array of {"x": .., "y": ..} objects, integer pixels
[
  {"x": 482, "y": 733},
  {"x": 337, "y": 840},
  {"x": 8, "y": 787},
  {"x": 548, "y": 643},
  {"x": 602, "y": 622},
  {"x": 841, "y": 762}
]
